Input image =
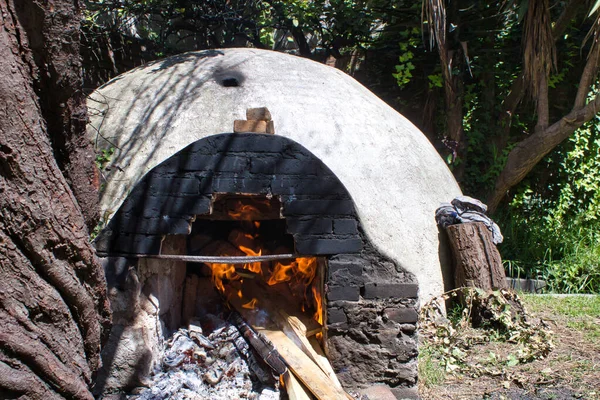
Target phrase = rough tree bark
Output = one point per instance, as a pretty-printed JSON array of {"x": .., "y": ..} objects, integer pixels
[
  {"x": 477, "y": 262},
  {"x": 54, "y": 311}
]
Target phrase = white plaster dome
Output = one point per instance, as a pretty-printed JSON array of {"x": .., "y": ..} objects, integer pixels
[{"x": 394, "y": 175}]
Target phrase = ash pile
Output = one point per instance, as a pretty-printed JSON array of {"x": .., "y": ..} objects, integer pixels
[{"x": 220, "y": 365}]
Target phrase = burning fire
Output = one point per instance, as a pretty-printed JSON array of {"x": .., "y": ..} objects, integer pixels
[{"x": 298, "y": 273}]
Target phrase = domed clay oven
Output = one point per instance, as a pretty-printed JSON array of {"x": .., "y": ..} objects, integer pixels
[{"x": 345, "y": 181}]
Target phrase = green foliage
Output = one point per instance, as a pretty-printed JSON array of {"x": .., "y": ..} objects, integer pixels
[
  {"x": 104, "y": 157},
  {"x": 552, "y": 226}
]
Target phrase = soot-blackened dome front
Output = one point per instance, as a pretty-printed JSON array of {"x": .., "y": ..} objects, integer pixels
[{"x": 392, "y": 173}]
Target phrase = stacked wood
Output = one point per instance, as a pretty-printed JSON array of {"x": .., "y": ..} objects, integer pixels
[{"x": 291, "y": 334}]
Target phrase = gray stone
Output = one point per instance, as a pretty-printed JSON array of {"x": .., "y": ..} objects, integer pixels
[
  {"x": 406, "y": 393},
  {"x": 378, "y": 392},
  {"x": 401, "y": 315}
]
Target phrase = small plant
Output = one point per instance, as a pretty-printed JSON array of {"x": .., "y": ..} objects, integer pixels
[{"x": 104, "y": 157}]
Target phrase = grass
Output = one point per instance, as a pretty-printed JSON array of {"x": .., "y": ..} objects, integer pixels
[
  {"x": 582, "y": 313},
  {"x": 571, "y": 370},
  {"x": 431, "y": 372},
  {"x": 569, "y": 306}
]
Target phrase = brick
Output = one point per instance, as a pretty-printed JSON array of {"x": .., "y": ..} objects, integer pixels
[
  {"x": 227, "y": 185},
  {"x": 250, "y": 142},
  {"x": 165, "y": 185},
  {"x": 157, "y": 225},
  {"x": 255, "y": 126},
  {"x": 285, "y": 166},
  {"x": 312, "y": 226},
  {"x": 345, "y": 226},
  {"x": 153, "y": 206},
  {"x": 345, "y": 274},
  {"x": 347, "y": 293},
  {"x": 401, "y": 315},
  {"x": 318, "y": 207},
  {"x": 215, "y": 163},
  {"x": 336, "y": 316},
  {"x": 311, "y": 186},
  {"x": 390, "y": 290},
  {"x": 261, "y": 113},
  {"x": 321, "y": 246},
  {"x": 241, "y": 185}
]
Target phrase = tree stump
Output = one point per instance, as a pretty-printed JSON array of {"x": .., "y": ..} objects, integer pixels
[{"x": 477, "y": 262}]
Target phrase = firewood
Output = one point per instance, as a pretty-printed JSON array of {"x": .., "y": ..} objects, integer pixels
[
  {"x": 295, "y": 390},
  {"x": 311, "y": 346},
  {"x": 221, "y": 248},
  {"x": 303, "y": 367},
  {"x": 263, "y": 347},
  {"x": 238, "y": 238}
]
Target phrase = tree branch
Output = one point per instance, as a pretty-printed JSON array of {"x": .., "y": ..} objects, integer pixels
[
  {"x": 587, "y": 77},
  {"x": 530, "y": 151}
]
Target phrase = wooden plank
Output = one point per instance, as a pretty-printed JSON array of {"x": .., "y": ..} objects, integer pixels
[
  {"x": 295, "y": 390},
  {"x": 297, "y": 361},
  {"x": 303, "y": 367},
  {"x": 309, "y": 346}
]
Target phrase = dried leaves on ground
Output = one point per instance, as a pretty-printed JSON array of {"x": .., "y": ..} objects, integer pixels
[{"x": 489, "y": 346}]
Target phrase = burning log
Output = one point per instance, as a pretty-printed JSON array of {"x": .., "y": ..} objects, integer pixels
[
  {"x": 263, "y": 346},
  {"x": 246, "y": 242}
]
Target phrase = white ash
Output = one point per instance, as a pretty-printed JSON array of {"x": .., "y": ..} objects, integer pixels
[{"x": 218, "y": 366}]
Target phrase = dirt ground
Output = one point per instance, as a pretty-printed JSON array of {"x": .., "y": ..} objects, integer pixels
[{"x": 570, "y": 371}]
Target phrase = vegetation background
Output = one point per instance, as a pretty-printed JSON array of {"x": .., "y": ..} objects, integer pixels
[{"x": 506, "y": 91}]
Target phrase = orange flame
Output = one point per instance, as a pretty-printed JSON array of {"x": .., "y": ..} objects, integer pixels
[
  {"x": 244, "y": 212},
  {"x": 281, "y": 273},
  {"x": 251, "y": 305},
  {"x": 318, "y": 302},
  {"x": 299, "y": 273}
]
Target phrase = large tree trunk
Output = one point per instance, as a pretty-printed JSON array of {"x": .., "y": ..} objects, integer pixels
[
  {"x": 477, "y": 262},
  {"x": 54, "y": 311}
]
